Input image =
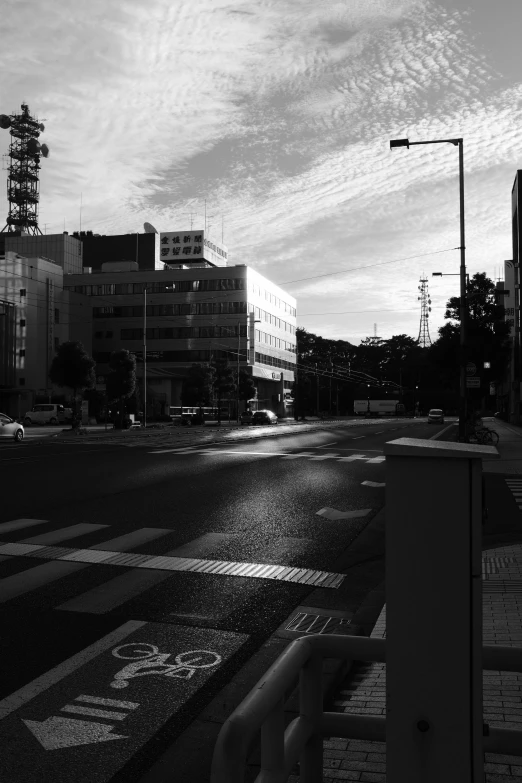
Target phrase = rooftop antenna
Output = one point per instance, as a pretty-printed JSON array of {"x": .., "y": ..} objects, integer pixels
[
  {"x": 191, "y": 215},
  {"x": 81, "y": 194}
]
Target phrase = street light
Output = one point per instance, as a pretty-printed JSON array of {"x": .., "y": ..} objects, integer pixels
[
  {"x": 449, "y": 274},
  {"x": 463, "y": 304}
]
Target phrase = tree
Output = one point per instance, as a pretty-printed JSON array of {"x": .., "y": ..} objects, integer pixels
[
  {"x": 224, "y": 383},
  {"x": 197, "y": 388},
  {"x": 487, "y": 334},
  {"x": 73, "y": 368},
  {"x": 121, "y": 381},
  {"x": 247, "y": 387}
]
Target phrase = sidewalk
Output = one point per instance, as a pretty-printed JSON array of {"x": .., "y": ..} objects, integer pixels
[{"x": 364, "y": 690}]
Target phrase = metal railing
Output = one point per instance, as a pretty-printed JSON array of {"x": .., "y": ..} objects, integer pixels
[{"x": 262, "y": 712}]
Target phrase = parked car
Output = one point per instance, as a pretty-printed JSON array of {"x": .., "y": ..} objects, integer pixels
[
  {"x": 9, "y": 428},
  {"x": 264, "y": 417},
  {"x": 46, "y": 414},
  {"x": 246, "y": 417},
  {"x": 436, "y": 416}
]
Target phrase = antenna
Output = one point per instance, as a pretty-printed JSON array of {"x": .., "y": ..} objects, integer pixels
[
  {"x": 424, "y": 339},
  {"x": 191, "y": 215},
  {"x": 81, "y": 194},
  {"x": 25, "y": 152}
]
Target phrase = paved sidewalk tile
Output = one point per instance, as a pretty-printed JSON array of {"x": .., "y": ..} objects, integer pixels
[{"x": 364, "y": 691}]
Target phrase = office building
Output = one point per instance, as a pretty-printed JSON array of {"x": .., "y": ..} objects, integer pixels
[
  {"x": 36, "y": 316},
  {"x": 62, "y": 249},
  {"x": 194, "y": 310}
]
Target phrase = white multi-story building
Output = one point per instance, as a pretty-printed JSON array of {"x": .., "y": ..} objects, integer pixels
[{"x": 194, "y": 309}]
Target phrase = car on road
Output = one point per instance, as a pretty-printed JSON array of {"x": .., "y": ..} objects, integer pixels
[
  {"x": 47, "y": 414},
  {"x": 9, "y": 428},
  {"x": 436, "y": 416},
  {"x": 264, "y": 417},
  {"x": 246, "y": 417}
]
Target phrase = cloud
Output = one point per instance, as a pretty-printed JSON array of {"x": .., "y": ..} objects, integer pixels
[{"x": 278, "y": 114}]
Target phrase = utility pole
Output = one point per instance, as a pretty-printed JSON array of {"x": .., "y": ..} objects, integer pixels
[
  {"x": 317, "y": 389},
  {"x": 331, "y": 371},
  {"x": 237, "y": 380},
  {"x": 144, "y": 353}
]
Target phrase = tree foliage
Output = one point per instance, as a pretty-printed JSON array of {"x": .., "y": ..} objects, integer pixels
[
  {"x": 121, "y": 381},
  {"x": 73, "y": 368},
  {"x": 198, "y": 386}
]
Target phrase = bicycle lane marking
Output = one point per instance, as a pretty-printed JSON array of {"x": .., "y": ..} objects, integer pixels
[{"x": 84, "y": 720}]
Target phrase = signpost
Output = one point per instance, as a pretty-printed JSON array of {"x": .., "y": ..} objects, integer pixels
[
  {"x": 471, "y": 368},
  {"x": 473, "y": 382}
]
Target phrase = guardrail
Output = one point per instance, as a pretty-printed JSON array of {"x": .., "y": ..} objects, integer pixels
[{"x": 262, "y": 712}]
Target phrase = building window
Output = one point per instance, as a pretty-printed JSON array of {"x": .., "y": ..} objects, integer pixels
[
  {"x": 108, "y": 335},
  {"x": 56, "y": 316},
  {"x": 22, "y": 322},
  {"x": 22, "y": 352},
  {"x": 23, "y": 292},
  {"x": 98, "y": 335},
  {"x": 21, "y": 381}
]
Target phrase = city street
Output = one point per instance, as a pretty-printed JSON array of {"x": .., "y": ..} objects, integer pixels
[{"x": 135, "y": 582}]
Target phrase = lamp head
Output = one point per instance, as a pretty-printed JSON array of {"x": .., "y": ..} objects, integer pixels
[
  {"x": 436, "y": 274},
  {"x": 399, "y": 143}
]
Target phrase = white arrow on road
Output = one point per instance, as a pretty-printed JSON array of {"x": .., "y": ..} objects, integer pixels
[{"x": 55, "y": 732}]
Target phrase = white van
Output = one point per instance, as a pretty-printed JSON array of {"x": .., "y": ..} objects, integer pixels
[{"x": 45, "y": 414}]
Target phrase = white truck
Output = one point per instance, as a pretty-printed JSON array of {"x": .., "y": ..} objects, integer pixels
[{"x": 378, "y": 408}]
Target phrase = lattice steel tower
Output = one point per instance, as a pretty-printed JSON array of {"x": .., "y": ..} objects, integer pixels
[
  {"x": 424, "y": 339},
  {"x": 24, "y": 164}
]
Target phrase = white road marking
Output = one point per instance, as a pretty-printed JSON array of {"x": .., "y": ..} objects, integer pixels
[
  {"x": 372, "y": 484},
  {"x": 332, "y": 513},
  {"x": 45, "y": 681},
  {"x": 56, "y": 732},
  {"x": 375, "y": 460},
  {"x": 330, "y": 443},
  {"x": 84, "y": 557},
  {"x": 25, "y": 581},
  {"x": 19, "y": 524},
  {"x": 356, "y": 437}
]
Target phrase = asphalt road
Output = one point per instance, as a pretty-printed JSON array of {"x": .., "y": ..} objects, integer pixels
[{"x": 105, "y": 664}]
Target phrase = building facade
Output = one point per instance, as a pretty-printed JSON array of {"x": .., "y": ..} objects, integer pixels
[
  {"x": 99, "y": 249},
  {"x": 191, "y": 312},
  {"x": 36, "y": 316},
  {"x": 62, "y": 249}
]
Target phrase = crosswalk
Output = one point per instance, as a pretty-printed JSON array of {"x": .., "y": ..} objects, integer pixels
[
  {"x": 312, "y": 456},
  {"x": 139, "y": 572},
  {"x": 515, "y": 485}
]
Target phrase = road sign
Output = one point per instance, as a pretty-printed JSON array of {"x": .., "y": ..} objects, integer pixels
[
  {"x": 54, "y": 722},
  {"x": 473, "y": 383},
  {"x": 471, "y": 368}
]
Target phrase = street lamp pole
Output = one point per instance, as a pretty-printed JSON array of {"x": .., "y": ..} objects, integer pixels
[
  {"x": 463, "y": 303},
  {"x": 237, "y": 383},
  {"x": 144, "y": 355}
]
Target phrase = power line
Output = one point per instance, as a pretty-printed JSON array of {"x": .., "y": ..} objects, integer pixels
[{"x": 368, "y": 266}]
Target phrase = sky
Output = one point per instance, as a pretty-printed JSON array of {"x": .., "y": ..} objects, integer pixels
[{"x": 279, "y": 113}]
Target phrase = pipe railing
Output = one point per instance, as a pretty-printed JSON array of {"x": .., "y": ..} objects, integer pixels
[{"x": 262, "y": 711}]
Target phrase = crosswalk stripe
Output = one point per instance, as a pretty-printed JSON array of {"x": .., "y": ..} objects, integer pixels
[
  {"x": 19, "y": 524},
  {"x": 26, "y": 581},
  {"x": 116, "y": 591},
  {"x": 64, "y": 534}
]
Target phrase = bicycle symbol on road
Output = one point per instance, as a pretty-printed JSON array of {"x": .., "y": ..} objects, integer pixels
[{"x": 148, "y": 660}]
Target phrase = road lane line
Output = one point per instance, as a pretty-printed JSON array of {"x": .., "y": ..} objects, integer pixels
[{"x": 53, "y": 676}]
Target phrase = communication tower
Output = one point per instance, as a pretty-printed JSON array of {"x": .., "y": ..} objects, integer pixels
[
  {"x": 424, "y": 339},
  {"x": 25, "y": 152}
]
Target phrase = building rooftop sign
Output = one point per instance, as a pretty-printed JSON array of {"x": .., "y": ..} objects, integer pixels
[{"x": 188, "y": 246}]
